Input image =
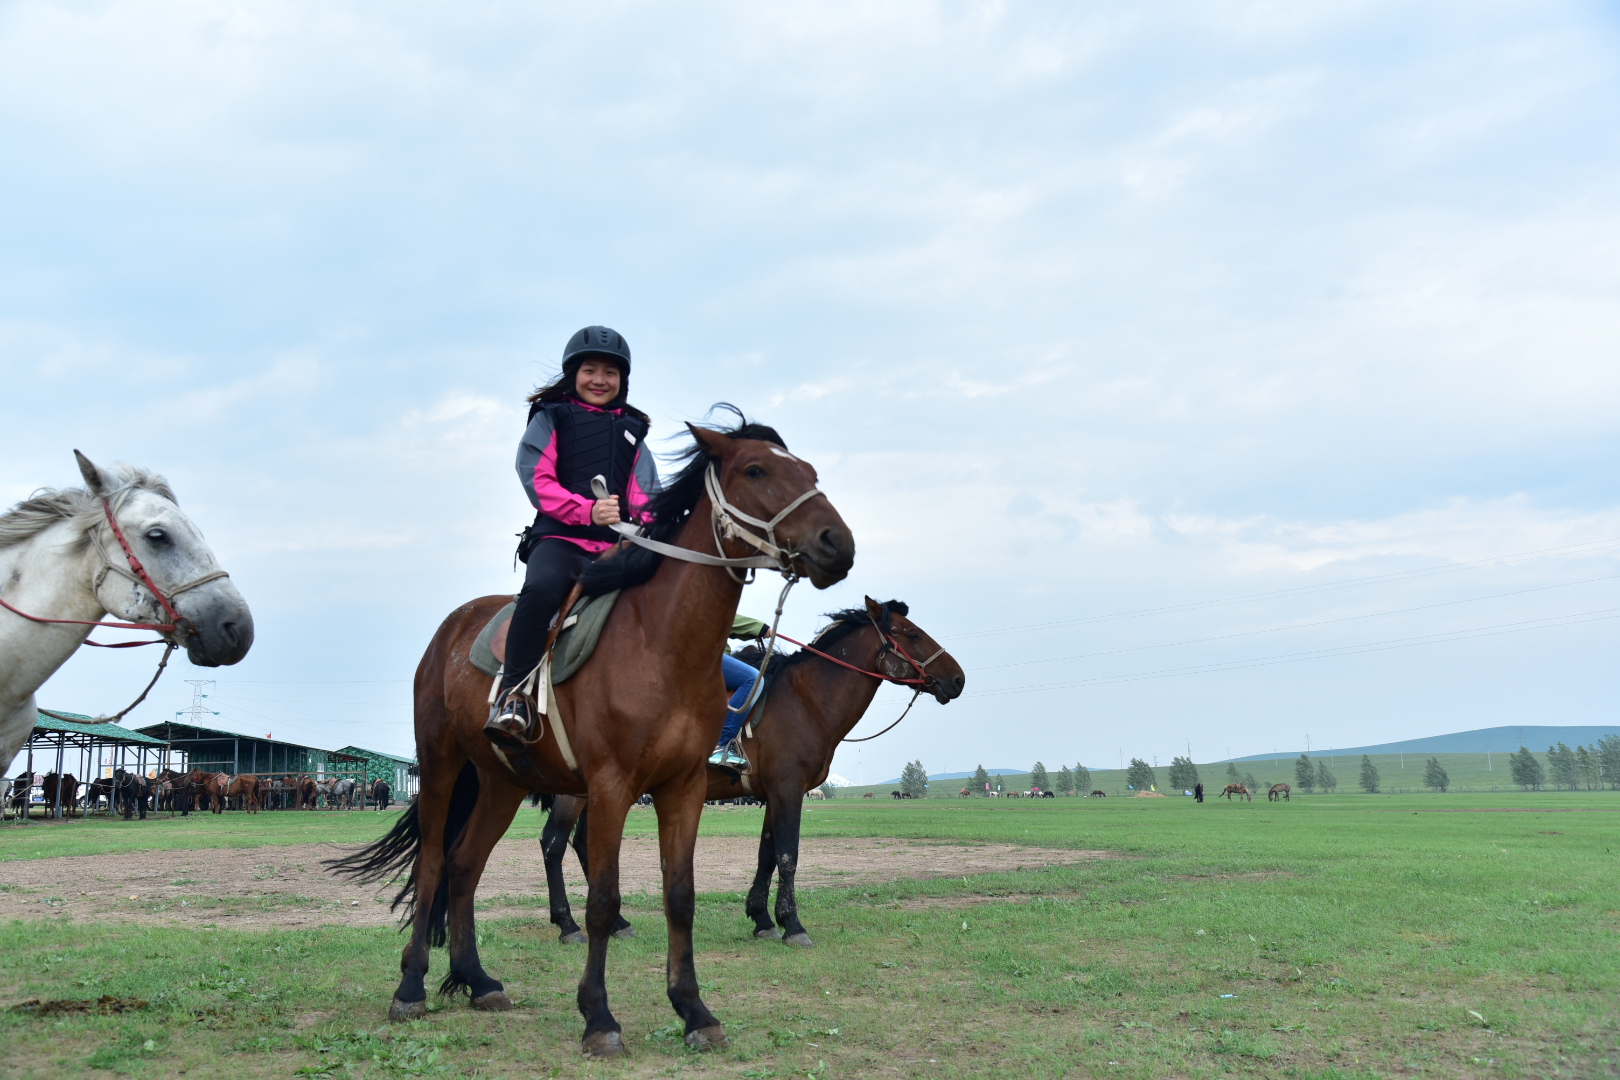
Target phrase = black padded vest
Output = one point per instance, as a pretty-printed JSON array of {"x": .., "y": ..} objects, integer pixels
[{"x": 592, "y": 443}]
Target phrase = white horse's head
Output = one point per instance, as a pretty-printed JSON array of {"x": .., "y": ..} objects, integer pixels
[{"x": 179, "y": 561}]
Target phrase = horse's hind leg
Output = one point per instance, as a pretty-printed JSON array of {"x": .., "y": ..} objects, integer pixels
[
  {"x": 680, "y": 804},
  {"x": 758, "y": 906},
  {"x": 432, "y": 814},
  {"x": 497, "y": 804},
  {"x": 565, "y": 813}
]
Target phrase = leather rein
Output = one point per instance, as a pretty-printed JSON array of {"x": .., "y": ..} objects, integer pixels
[
  {"x": 889, "y": 641},
  {"x": 177, "y": 624}
]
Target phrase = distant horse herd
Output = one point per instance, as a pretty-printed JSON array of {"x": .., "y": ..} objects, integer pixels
[{"x": 131, "y": 795}]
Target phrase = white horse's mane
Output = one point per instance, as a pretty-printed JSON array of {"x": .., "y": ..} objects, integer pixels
[{"x": 48, "y": 506}]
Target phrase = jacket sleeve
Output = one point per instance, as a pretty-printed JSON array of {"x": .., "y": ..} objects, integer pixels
[
  {"x": 643, "y": 483},
  {"x": 537, "y": 470}
]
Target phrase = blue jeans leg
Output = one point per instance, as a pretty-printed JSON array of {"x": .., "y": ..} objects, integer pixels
[{"x": 739, "y": 679}]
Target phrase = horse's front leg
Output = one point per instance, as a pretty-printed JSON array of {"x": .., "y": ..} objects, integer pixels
[
  {"x": 497, "y": 804},
  {"x": 680, "y": 804},
  {"x": 606, "y": 811},
  {"x": 789, "y": 807},
  {"x": 565, "y": 813},
  {"x": 621, "y": 925},
  {"x": 758, "y": 906}
]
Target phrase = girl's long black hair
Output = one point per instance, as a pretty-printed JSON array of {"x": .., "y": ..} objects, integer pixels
[
  {"x": 669, "y": 509},
  {"x": 562, "y": 388}
]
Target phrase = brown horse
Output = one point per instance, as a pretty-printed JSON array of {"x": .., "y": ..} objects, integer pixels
[
  {"x": 640, "y": 716},
  {"x": 1236, "y": 789},
  {"x": 1099, "y": 795},
  {"x": 1278, "y": 791},
  {"x": 246, "y": 788},
  {"x": 810, "y": 703},
  {"x": 66, "y": 788}
]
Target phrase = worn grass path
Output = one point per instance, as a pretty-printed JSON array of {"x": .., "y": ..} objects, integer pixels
[{"x": 1356, "y": 936}]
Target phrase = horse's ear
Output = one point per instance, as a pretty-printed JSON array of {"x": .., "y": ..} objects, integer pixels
[
  {"x": 94, "y": 478},
  {"x": 714, "y": 443},
  {"x": 875, "y": 610}
]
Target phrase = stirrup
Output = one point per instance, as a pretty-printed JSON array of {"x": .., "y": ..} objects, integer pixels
[
  {"x": 730, "y": 756},
  {"x": 509, "y": 722}
]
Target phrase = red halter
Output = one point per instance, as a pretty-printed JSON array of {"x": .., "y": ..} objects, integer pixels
[{"x": 175, "y": 623}]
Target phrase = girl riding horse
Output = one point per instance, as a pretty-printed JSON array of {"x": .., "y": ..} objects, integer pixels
[{"x": 580, "y": 426}]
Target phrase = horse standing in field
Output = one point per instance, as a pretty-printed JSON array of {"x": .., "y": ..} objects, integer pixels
[
  {"x": 1098, "y": 795},
  {"x": 641, "y": 715},
  {"x": 133, "y": 791},
  {"x": 381, "y": 794},
  {"x": 1236, "y": 789},
  {"x": 118, "y": 545},
  {"x": 64, "y": 787},
  {"x": 810, "y": 701},
  {"x": 344, "y": 791},
  {"x": 1278, "y": 791},
  {"x": 245, "y": 789}
]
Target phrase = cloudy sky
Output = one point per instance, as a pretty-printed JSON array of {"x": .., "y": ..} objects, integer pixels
[{"x": 1209, "y": 376}]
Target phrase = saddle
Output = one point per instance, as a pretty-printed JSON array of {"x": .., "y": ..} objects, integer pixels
[
  {"x": 571, "y": 641},
  {"x": 574, "y": 636}
]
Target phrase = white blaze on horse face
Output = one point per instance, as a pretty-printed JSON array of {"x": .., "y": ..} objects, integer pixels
[{"x": 779, "y": 452}]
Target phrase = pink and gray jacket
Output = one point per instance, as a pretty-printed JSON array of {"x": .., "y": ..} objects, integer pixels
[{"x": 566, "y": 444}]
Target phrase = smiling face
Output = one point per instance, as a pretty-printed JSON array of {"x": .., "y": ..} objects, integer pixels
[{"x": 597, "y": 381}]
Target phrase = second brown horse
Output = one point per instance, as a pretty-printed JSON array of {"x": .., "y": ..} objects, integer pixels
[{"x": 811, "y": 703}]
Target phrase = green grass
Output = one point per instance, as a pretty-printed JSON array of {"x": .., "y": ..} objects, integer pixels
[{"x": 1356, "y": 935}]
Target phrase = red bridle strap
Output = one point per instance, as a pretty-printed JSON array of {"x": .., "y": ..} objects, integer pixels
[
  {"x": 862, "y": 671},
  {"x": 142, "y": 576}
]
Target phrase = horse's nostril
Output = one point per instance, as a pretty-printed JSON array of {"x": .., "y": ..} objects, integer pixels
[
  {"x": 229, "y": 632},
  {"x": 828, "y": 540},
  {"x": 958, "y": 682}
]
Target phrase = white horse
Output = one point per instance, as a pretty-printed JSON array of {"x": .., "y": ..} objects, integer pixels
[{"x": 60, "y": 559}]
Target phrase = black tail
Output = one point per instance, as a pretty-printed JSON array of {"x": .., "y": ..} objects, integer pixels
[{"x": 400, "y": 848}]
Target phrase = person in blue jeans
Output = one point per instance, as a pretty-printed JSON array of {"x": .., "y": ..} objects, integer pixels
[{"x": 740, "y": 678}]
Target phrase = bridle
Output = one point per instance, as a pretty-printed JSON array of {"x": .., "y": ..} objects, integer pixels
[
  {"x": 726, "y": 522},
  {"x": 888, "y": 645},
  {"x": 177, "y": 624}
]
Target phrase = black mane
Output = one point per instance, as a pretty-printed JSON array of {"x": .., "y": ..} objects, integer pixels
[
  {"x": 843, "y": 624},
  {"x": 669, "y": 508}
]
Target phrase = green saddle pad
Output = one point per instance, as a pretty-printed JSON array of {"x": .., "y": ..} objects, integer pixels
[{"x": 575, "y": 644}]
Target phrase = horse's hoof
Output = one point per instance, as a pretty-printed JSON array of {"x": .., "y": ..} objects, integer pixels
[
  {"x": 709, "y": 1038},
  {"x": 628, "y": 931},
  {"x": 770, "y": 933},
  {"x": 574, "y": 937},
  {"x": 401, "y": 1011},
  {"x": 800, "y": 940},
  {"x": 603, "y": 1044},
  {"x": 494, "y": 1001}
]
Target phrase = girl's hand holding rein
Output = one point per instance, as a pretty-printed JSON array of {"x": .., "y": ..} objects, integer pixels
[{"x": 606, "y": 511}]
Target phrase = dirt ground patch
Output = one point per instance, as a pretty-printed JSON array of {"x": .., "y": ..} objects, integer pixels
[{"x": 285, "y": 887}]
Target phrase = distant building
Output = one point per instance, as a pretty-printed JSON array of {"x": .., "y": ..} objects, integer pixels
[{"x": 400, "y": 772}]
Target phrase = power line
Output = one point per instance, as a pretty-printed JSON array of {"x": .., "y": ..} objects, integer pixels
[
  {"x": 1296, "y": 626},
  {"x": 1320, "y": 654},
  {"x": 1443, "y": 568}
]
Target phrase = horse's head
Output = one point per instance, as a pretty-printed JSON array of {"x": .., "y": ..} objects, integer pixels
[
  {"x": 943, "y": 676},
  {"x": 761, "y": 479},
  {"x": 173, "y": 551}
]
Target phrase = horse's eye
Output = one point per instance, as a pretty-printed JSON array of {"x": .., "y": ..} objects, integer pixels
[
  {"x": 157, "y": 536},
  {"x": 913, "y": 635},
  {"x": 753, "y": 472}
]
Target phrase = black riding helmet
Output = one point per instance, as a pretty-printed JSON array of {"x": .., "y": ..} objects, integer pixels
[{"x": 597, "y": 341}]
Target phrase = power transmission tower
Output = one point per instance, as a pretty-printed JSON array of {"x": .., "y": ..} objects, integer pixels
[{"x": 198, "y": 710}]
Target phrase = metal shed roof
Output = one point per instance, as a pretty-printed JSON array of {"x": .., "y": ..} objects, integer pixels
[{"x": 101, "y": 732}]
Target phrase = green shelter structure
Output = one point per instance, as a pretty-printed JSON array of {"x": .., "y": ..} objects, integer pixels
[
  {"x": 213, "y": 750},
  {"x": 67, "y": 744},
  {"x": 400, "y": 772}
]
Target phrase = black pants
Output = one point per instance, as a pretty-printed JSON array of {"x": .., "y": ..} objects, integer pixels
[{"x": 553, "y": 567}]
